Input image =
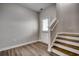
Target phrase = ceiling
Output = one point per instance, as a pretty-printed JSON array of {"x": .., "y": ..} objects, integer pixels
[{"x": 36, "y": 6}]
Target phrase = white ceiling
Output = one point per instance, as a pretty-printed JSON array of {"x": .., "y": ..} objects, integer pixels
[{"x": 36, "y": 6}]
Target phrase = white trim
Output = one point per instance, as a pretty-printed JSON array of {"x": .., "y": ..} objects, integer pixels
[
  {"x": 54, "y": 26},
  {"x": 6, "y": 48},
  {"x": 67, "y": 33},
  {"x": 68, "y": 42},
  {"x": 66, "y": 48},
  {"x": 42, "y": 41},
  {"x": 52, "y": 22},
  {"x": 68, "y": 37},
  {"x": 54, "y": 40}
]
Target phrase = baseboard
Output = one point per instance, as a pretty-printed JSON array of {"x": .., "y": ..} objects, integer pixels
[
  {"x": 7, "y": 48},
  {"x": 43, "y": 42}
]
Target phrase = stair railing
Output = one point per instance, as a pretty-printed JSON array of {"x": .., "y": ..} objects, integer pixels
[{"x": 52, "y": 33}]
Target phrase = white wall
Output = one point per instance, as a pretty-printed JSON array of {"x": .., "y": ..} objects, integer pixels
[
  {"x": 17, "y": 25},
  {"x": 68, "y": 15},
  {"x": 48, "y": 12}
]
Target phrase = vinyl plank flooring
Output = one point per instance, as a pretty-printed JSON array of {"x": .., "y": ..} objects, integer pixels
[
  {"x": 43, "y": 50},
  {"x": 35, "y": 49}
]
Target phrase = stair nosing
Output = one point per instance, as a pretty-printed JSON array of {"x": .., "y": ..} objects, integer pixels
[
  {"x": 68, "y": 33},
  {"x": 68, "y": 42},
  {"x": 67, "y": 48},
  {"x": 68, "y": 37},
  {"x": 58, "y": 52}
]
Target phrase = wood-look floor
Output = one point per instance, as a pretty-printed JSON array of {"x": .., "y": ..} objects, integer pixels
[{"x": 35, "y": 49}]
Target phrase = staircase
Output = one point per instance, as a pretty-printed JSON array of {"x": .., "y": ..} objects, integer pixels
[
  {"x": 63, "y": 43},
  {"x": 66, "y": 44}
]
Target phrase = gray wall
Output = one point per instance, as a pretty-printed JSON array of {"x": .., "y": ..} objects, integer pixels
[
  {"x": 48, "y": 12},
  {"x": 17, "y": 25},
  {"x": 68, "y": 15}
]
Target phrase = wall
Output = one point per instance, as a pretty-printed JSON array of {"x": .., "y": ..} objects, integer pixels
[
  {"x": 17, "y": 25},
  {"x": 67, "y": 14},
  {"x": 48, "y": 12}
]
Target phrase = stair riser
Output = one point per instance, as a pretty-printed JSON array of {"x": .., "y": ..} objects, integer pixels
[
  {"x": 59, "y": 53},
  {"x": 64, "y": 51},
  {"x": 68, "y": 45},
  {"x": 68, "y": 42},
  {"x": 67, "y": 39},
  {"x": 67, "y": 48},
  {"x": 69, "y": 35}
]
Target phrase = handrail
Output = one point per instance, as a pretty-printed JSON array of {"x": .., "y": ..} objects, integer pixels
[
  {"x": 54, "y": 26},
  {"x": 52, "y": 22},
  {"x": 52, "y": 33}
]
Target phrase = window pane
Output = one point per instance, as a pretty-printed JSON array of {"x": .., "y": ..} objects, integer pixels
[{"x": 45, "y": 25}]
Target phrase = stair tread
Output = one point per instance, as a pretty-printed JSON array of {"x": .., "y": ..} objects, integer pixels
[
  {"x": 67, "y": 48},
  {"x": 69, "y": 34},
  {"x": 68, "y": 42},
  {"x": 58, "y": 52},
  {"x": 65, "y": 51},
  {"x": 74, "y": 47},
  {"x": 68, "y": 37}
]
